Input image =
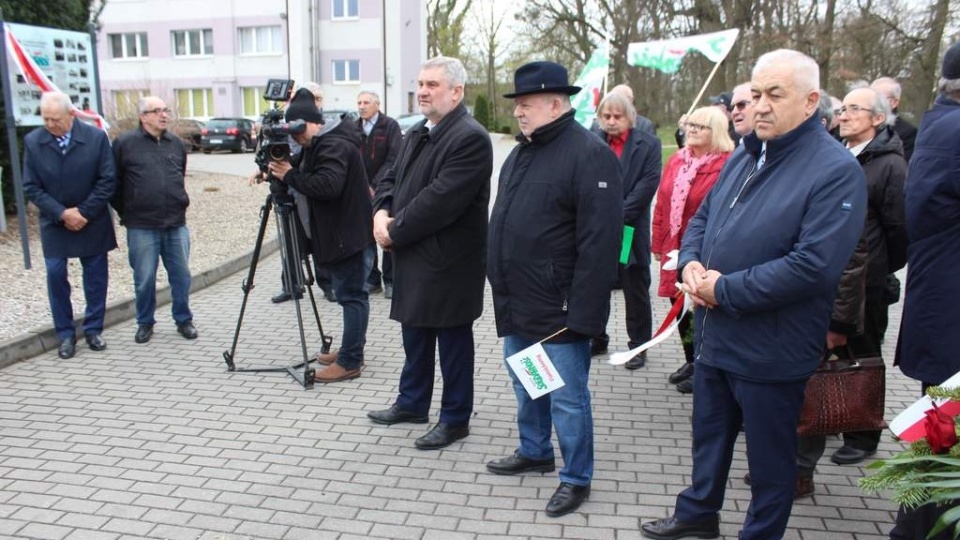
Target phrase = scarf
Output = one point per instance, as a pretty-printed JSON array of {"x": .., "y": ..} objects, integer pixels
[{"x": 689, "y": 166}]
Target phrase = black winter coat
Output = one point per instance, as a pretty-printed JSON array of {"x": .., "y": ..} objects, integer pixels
[
  {"x": 555, "y": 234},
  {"x": 381, "y": 148},
  {"x": 332, "y": 177},
  {"x": 438, "y": 193},
  {"x": 886, "y": 231},
  {"x": 151, "y": 193}
]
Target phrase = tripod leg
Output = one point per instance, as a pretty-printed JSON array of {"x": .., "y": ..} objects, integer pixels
[
  {"x": 290, "y": 240},
  {"x": 228, "y": 356},
  {"x": 325, "y": 340}
]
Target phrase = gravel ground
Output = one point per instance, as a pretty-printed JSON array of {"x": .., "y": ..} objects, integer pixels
[{"x": 223, "y": 218}]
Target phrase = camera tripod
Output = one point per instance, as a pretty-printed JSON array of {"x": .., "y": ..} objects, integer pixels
[{"x": 299, "y": 278}]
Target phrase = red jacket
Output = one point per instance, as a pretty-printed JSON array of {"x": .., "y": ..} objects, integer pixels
[{"x": 663, "y": 242}]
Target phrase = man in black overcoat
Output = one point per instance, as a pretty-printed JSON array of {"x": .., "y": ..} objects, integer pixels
[{"x": 430, "y": 211}]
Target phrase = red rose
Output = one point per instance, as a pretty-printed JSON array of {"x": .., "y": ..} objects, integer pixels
[{"x": 941, "y": 431}]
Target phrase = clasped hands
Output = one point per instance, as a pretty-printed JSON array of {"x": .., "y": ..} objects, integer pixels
[
  {"x": 73, "y": 220},
  {"x": 699, "y": 283},
  {"x": 381, "y": 229}
]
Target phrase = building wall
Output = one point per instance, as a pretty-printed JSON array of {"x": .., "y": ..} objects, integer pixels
[{"x": 314, "y": 38}]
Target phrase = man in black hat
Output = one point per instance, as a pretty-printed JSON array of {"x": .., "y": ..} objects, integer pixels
[
  {"x": 553, "y": 246},
  {"x": 329, "y": 172}
]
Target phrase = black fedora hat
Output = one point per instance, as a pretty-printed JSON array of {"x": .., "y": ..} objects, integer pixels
[{"x": 541, "y": 78}]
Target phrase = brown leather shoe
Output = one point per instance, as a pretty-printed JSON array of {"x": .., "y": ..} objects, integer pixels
[
  {"x": 335, "y": 373},
  {"x": 326, "y": 358}
]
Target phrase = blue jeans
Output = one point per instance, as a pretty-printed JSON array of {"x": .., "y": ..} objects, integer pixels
[
  {"x": 566, "y": 408},
  {"x": 95, "y": 277},
  {"x": 348, "y": 277},
  {"x": 146, "y": 247}
]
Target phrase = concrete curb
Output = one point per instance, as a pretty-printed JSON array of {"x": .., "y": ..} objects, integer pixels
[{"x": 44, "y": 338}]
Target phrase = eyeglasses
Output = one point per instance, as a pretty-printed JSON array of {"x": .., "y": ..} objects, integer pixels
[
  {"x": 852, "y": 109},
  {"x": 690, "y": 126},
  {"x": 740, "y": 105},
  {"x": 158, "y": 110}
]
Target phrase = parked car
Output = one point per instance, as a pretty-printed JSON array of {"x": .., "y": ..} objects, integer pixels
[
  {"x": 339, "y": 114},
  {"x": 409, "y": 120},
  {"x": 234, "y": 134},
  {"x": 189, "y": 131}
]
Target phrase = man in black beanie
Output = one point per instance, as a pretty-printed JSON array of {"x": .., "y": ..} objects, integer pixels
[{"x": 329, "y": 172}]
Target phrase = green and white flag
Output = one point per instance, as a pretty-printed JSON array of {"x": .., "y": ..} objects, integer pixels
[
  {"x": 591, "y": 81},
  {"x": 666, "y": 54}
]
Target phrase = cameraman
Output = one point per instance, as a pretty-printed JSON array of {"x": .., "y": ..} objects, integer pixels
[{"x": 329, "y": 172}]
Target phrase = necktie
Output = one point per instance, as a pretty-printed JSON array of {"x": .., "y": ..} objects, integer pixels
[{"x": 62, "y": 141}]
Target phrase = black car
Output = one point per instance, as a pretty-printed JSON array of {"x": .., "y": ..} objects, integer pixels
[
  {"x": 234, "y": 134},
  {"x": 338, "y": 114},
  {"x": 189, "y": 132}
]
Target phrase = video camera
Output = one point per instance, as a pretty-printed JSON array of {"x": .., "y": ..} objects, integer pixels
[{"x": 273, "y": 142}]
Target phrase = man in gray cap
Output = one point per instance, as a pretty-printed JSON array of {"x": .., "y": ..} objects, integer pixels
[{"x": 552, "y": 250}]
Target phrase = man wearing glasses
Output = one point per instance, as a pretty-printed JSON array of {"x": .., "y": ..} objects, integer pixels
[
  {"x": 741, "y": 110},
  {"x": 152, "y": 201}
]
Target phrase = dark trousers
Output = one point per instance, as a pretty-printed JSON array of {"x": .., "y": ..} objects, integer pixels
[
  {"x": 456, "y": 365},
  {"x": 348, "y": 284},
  {"x": 376, "y": 275},
  {"x": 296, "y": 258},
  {"x": 95, "y": 277},
  {"x": 769, "y": 413},
  {"x": 635, "y": 281},
  {"x": 869, "y": 344}
]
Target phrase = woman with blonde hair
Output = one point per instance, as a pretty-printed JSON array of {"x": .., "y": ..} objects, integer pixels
[{"x": 687, "y": 178}]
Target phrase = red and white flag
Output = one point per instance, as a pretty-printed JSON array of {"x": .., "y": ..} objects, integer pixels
[{"x": 909, "y": 425}]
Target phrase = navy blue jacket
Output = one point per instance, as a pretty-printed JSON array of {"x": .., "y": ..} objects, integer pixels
[
  {"x": 929, "y": 346},
  {"x": 82, "y": 178},
  {"x": 781, "y": 247},
  {"x": 555, "y": 233}
]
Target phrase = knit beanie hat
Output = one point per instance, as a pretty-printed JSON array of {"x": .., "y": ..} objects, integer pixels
[
  {"x": 303, "y": 107},
  {"x": 951, "y": 62}
]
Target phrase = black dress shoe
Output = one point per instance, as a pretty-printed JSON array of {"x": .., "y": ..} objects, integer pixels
[
  {"x": 518, "y": 463},
  {"x": 393, "y": 415},
  {"x": 96, "y": 342},
  {"x": 144, "y": 333},
  {"x": 566, "y": 499},
  {"x": 670, "y": 529},
  {"x": 637, "y": 361},
  {"x": 283, "y": 296},
  {"x": 683, "y": 373},
  {"x": 848, "y": 455},
  {"x": 685, "y": 386},
  {"x": 441, "y": 436},
  {"x": 187, "y": 330},
  {"x": 68, "y": 348}
]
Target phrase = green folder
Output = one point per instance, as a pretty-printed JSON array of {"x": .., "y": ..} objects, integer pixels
[{"x": 627, "y": 244}]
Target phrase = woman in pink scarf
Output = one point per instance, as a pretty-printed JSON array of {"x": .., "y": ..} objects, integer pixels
[{"x": 687, "y": 178}]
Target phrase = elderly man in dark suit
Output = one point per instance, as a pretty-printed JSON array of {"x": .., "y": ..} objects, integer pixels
[
  {"x": 640, "y": 162},
  {"x": 430, "y": 211},
  {"x": 68, "y": 173}
]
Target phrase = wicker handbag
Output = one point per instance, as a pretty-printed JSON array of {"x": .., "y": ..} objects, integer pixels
[{"x": 844, "y": 395}]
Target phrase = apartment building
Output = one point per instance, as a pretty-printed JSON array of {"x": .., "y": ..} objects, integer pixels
[{"x": 213, "y": 58}]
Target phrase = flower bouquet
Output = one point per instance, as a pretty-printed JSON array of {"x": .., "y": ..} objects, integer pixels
[{"x": 928, "y": 471}]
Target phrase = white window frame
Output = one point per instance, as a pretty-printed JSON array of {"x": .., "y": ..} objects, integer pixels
[
  {"x": 347, "y": 72},
  {"x": 141, "y": 44},
  {"x": 275, "y": 41},
  {"x": 192, "y": 111},
  {"x": 344, "y": 6},
  {"x": 131, "y": 97},
  {"x": 260, "y": 105},
  {"x": 201, "y": 39}
]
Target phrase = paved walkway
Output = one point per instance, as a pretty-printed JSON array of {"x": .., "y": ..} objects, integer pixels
[{"x": 159, "y": 441}]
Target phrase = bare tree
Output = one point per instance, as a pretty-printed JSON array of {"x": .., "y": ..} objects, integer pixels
[
  {"x": 445, "y": 21},
  {"x": 487, "y": 40}
]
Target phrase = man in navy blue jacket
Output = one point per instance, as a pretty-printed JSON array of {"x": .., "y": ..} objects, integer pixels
[{"x": 762, "y": 259}]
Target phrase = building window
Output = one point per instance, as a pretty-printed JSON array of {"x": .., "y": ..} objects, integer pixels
[
  {"x": 125, "y": 102},
  {"x": 345, "y": 9},
  {"x": 193, "y": 42},
  {"x": 260, "y": 40},
  {"x": 253, "y": 102},
  {"x": 195, "y": 102},
  {"x": 346, "y": 71},
  {"x": 133, "y": 45}
]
